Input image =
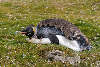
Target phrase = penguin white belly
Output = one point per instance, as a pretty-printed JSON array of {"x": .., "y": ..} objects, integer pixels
[{"x": 68, "y": 43}]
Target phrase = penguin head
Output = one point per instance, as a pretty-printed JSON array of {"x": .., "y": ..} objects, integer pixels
[{"x": 28, "y": 31}]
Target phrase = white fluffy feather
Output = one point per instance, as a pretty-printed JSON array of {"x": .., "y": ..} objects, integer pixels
[{"x": 68, "y": 43}]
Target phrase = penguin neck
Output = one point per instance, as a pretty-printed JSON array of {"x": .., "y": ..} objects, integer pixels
[{"x": 34, "y": 29}]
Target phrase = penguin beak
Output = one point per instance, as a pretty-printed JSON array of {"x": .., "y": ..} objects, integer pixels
[{"x": 23, "y": 32}]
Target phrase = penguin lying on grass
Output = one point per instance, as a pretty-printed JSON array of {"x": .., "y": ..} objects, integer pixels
[{"x": 57, "y": 31}]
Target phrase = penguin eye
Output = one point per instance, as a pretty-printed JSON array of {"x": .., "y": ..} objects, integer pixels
[{"x": 28, "y": 33}]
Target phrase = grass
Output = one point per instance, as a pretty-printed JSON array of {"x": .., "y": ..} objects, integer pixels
[{"x": 15, "y": 51}]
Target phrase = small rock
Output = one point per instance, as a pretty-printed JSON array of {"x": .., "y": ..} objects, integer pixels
[
  {"x": 73, "y": 60},
  {"x": 55, "y": 55}
]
